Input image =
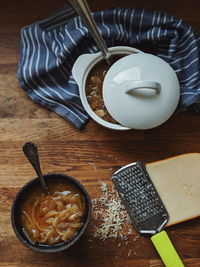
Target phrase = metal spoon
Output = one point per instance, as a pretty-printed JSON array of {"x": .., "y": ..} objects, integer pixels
[
  {"x": 31, "y": 152},
  {"x": 82, "y": 8}
]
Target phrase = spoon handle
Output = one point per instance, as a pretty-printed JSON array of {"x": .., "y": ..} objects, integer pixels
[
  {"x": 82, "y": 8},
  {"x": 31, "y": 152}
]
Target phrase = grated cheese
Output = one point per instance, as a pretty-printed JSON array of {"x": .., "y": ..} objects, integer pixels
[
  {"x": 113, "y": 218},
  {"x": 93, "y": 165},
  {"x": 129, "y": 253}
]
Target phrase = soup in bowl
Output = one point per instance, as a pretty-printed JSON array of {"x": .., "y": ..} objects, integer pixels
[{"x": 53, "y": 222}]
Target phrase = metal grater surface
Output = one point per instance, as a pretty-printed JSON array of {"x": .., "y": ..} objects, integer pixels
[{"x": 140, "y": 198}]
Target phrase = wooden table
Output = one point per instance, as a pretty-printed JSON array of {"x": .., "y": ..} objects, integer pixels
[{"x": 89, "y": 155}]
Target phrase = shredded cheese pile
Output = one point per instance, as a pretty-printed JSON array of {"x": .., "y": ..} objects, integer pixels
[{"x": 113, "y": 218}]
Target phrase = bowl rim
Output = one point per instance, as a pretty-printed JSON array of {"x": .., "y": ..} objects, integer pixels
[{"x": 58, "y": 247}]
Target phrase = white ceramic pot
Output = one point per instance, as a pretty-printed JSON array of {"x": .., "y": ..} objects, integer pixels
[{"x": 80, "y": 71}]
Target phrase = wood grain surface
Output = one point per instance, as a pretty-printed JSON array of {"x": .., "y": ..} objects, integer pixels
[{"x": 89, "y": 155}]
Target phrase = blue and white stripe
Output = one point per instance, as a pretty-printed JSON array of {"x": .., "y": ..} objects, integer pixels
[{"x": 49, "y": 48}]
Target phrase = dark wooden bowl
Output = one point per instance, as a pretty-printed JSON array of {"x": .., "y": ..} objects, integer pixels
[{"x": 16, "y": 214}]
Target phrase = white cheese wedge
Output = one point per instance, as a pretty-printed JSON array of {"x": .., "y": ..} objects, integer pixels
[{"x": 177, "y": 181}]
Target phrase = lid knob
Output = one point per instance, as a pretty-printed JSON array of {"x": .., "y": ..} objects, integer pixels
[{"x": 145, "y": 87}]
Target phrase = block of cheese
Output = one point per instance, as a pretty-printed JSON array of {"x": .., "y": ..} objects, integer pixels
[{"x": 177, "y": 181}]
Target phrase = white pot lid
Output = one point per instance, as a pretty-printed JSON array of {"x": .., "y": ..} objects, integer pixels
[{"x": 141, "y": 91}]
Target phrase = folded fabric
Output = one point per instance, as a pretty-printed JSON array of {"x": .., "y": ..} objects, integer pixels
[{"x": 49, "y": 48}]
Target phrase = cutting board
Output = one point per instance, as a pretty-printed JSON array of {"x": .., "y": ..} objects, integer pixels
[{"x": 177, "y": 181}]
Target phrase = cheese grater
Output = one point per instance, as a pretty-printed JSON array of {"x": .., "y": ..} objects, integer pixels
[{"x": 145, "y": 208}]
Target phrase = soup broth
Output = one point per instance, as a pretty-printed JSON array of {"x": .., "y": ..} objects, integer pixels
[
  {"x": 54, "y": 218},
  {"x": 94, "y": 86}
]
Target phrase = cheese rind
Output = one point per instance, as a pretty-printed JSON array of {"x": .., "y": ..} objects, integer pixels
[{"x": 177, "y": 181}]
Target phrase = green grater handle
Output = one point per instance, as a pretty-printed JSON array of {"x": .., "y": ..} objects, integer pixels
[{"x": 166, "y": 250}]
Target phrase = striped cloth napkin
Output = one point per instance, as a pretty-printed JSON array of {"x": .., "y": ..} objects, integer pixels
[{"x": 49, "y": 48}]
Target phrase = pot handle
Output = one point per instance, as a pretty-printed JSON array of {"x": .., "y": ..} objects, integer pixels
[
  {"x": 150, "y": 85},
  {"x": 80, "y": 66}
]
